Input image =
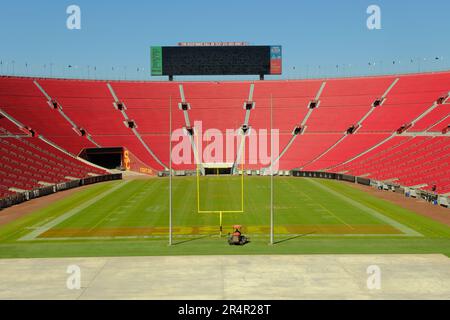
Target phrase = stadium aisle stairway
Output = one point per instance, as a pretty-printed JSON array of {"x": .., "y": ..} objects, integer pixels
[
  {"x": 409, "y": 98},
  {"x": 22, "y": 100},
  {"x": 345, "y": 101}
]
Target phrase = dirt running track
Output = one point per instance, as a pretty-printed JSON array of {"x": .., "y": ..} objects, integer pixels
[
  {"x": 419, "y": 206},
  {"x": 13, "y": 213}
]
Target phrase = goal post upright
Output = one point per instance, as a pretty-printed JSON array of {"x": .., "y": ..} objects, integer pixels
[
  {"x": 198, "y": 171},
  {"x": 242, "y": 191},
  {"x": 170, "y": 174},
  {"x": 272, "y": 240}
]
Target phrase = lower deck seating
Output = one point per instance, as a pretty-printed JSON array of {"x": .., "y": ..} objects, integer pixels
[
  {"x": 409, "y": 161},
  {"x": 306, "y": 148},
  {"x": 28, "y": 163},
  {"x": 348, "y": 148}
]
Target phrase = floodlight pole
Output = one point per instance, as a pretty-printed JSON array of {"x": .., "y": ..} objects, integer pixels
[
  {"x": 271, "y": 173},
  {"x": 170, "y": 173}
]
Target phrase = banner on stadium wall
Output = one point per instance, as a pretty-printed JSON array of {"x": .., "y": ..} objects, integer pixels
[
  {"x": 132, "y": 163},
  {"x": 276, "y": 60},
  {"x": 126, "y": 160},
  {"x": 156, "y": 61}
]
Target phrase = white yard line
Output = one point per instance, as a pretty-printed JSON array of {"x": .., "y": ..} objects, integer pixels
[
  {"x": 36, "y": 233},
  {"x": 368, "y": 210}
]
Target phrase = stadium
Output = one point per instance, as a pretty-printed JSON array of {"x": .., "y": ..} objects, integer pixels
[{"x": 140, "y": 184}]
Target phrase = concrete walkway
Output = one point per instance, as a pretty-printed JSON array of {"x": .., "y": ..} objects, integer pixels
[{"x": 233, "y": 277}]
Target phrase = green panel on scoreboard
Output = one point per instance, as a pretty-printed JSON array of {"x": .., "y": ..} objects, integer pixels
[{"x": 157, "y": 61}]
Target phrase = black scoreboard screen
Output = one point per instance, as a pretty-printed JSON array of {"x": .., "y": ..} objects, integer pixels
[{"x": 216, "y": 60}]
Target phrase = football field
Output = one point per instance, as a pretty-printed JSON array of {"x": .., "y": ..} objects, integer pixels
[{"x": 132, "y": 217}]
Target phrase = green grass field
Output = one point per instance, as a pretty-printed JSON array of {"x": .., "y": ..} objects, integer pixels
[{"x": 126, "y": 218}]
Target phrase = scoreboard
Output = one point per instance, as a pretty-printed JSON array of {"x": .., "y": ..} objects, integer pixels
[{"x": 216, "y": 60}]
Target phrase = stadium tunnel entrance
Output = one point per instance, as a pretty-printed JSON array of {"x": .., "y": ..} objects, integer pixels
[
  {"x": 109, "y": 158},
  {"x": 218, "y": 169}
]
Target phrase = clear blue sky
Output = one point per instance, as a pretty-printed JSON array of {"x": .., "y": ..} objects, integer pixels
[{"x": 322, "y": 33}]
